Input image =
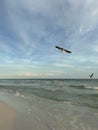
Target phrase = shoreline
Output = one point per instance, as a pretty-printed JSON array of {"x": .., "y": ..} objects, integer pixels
[{"x": 43, "y": 114}]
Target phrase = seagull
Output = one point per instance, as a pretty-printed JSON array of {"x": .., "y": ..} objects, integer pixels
[
  {"x": 91, "y": 76},
  {"x": 62, "y": 49}
]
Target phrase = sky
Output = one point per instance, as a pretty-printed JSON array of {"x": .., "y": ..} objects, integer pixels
[{"x": 30, "y": 29}]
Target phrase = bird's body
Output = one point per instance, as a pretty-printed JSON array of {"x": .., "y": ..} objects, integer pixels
[{"x": 62, "y": 49}]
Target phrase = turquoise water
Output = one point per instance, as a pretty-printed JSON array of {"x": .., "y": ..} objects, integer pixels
[{"x": 76, "y": 91}]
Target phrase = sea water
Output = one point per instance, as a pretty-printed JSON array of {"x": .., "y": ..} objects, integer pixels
[{"x": 76, "y": 91}]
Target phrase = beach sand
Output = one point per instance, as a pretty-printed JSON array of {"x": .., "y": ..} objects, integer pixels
[
  {"x": 35, "y": 113},
  {"x": 7, "y": 116}
]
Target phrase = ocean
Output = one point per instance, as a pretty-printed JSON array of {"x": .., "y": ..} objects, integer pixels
[{"x": 82, "y": 92}]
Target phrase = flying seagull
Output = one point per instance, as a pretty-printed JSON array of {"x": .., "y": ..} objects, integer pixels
[
  {"x": 62, "y": 49},
  {"x": 91, "y": 76}
]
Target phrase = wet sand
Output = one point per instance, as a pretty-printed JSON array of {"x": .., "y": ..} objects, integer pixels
[
  {"x": 7, "y": 117},
  {"x": 18, "y": 112}
]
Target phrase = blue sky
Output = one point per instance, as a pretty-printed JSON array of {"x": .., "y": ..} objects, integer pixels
[{"x": 29, "y": 30}]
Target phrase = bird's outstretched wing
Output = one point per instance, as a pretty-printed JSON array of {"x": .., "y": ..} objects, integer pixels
[
  {"x": 62, "y": 49},
  {"x": 67, "y": 51},
  {"x": 91, "y": 76}
]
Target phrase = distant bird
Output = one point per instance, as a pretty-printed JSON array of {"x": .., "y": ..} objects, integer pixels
[
  {"x": 62, "y": 49},
  {"x": 91, "y": 76}
]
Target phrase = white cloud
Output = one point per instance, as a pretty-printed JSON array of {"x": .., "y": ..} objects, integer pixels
[
  {"x": 95, "y": 48},
  {"x": 63, "y": 65}
]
